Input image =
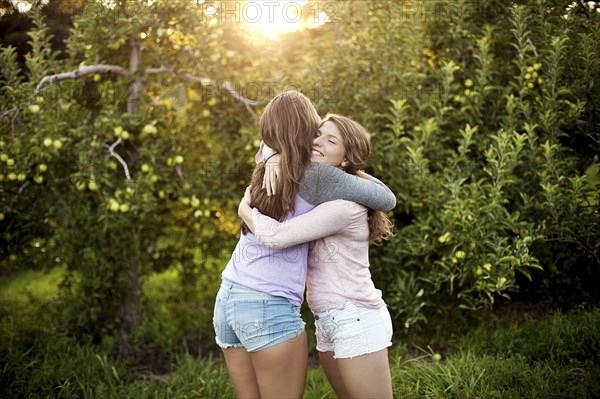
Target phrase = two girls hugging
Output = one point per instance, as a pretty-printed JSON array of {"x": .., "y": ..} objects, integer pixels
[{"x": 309, "y": 218}]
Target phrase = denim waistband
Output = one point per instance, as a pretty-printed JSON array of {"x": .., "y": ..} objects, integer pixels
[{"x": 231, "y": 287}]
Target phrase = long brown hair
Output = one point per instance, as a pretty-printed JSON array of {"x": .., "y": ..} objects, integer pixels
[
  {"x": 287, "y": 125},
  {"x": 357, "y": 147}
]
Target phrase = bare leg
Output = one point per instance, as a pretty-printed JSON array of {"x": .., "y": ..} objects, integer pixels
[
  {"x": 281, "y": 369},
  {"x": 241, "y": 371},
  {"x": 367, "y": 376},
  {"x": 332, "y": 372}
]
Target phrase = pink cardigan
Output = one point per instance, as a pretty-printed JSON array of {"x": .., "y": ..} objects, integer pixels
[{"x": 338, "y": 261}]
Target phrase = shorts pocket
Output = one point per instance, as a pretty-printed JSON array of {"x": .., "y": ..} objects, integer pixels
[
  {"x": 347, "y": 316},
  {"x": 249, "y": 319}
]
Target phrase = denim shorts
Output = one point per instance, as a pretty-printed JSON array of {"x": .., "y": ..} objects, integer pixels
[
  {"x": 254, "y": 320},
  {"x": 353, "y": 330}
]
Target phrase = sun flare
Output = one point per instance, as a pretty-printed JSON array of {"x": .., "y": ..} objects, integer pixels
[
  {"x": 278, "y": 18},
  {"x": 271, "y": 18}
]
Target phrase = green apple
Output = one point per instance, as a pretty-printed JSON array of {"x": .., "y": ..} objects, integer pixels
[
  {"x": 178, "y": 159},
  {"x": 114, "y": 206},
  {"x": 38, "y": 179},
  {"x": 3, "y": 157},
  {"x": 12, "y": 176},
  {"x": 125, "y": 135},
  {"x": 21, "y": 177},
  {"x": 34, "y": 108},
  {"x": 185, "y": 200},
  {"x": 444, "y": 237},
  {"x": 195, "y": 202},
  {"x": 149, "y": 129},
  {"x": 97, "y": 77},
  {"x": 80, "y": 186},
  {"x": 57, "y": 144},
  {"x": 124, "y": 208},
  {"x": 42, "y": 167},
  {"x": 47, "y": 142},
  {"x": 153, "y": 179},
  {"x": 92, "y": 186},
  {"x": 10, "y": 162},
  {"x": 145, "y": 168}
]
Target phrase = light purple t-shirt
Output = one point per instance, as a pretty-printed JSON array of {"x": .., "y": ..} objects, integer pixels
[{"x": 279, "y": 272}]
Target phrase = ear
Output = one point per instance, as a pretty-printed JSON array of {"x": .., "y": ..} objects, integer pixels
[{"x": 344, "y": 163}]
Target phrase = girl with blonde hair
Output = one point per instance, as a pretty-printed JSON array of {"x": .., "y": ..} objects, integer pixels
[
  {"x": 257, "y": 309},
  {"x": 353, "y": 324}
]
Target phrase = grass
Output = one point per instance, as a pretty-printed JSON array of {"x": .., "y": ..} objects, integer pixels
[{"x": 557, "y": 356}]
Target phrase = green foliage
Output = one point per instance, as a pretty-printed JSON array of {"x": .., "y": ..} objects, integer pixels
[
  {"x": 483, "y": 118},
  {"x": 553, "y": 357},
  {"x": 116, "y": 176},
  {"x": 563, "y": 340},
  {"x": 482, "y": 124}
]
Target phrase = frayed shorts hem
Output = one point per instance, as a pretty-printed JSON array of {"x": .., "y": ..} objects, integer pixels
[
  {"x": 223, "y": 345},
  {"x": 357, "y": 354},
  {"x": 277, "y": 341}
]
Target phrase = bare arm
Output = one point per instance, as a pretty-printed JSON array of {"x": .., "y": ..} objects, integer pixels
[{"x": 244, "y": 210}]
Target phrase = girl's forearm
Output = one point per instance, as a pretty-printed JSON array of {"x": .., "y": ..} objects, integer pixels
[{"x": 245, "y": 212}]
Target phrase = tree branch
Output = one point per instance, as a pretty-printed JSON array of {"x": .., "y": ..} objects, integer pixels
[
  {"x": 225, "y": 86},
  {"x": 105, "y": 68},
  {"x": 111, "y": 150},
  {"x": 76, "y": 74}
]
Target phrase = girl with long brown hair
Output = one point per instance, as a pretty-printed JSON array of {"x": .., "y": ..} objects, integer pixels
[
  {"x": 353, "y": 324},
  {"x": 257, "y": 309}
]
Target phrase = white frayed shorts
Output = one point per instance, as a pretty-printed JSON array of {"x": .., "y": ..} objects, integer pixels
[{"x": 353, "y": 330}]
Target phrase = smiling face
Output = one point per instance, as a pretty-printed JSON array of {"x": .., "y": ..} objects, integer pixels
[{"x": 328, "y": 146}]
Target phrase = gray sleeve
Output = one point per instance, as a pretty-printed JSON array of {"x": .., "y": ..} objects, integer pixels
[{"x": 321, "y": 183}]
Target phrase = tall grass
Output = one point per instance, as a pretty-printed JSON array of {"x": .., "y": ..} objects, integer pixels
[{"x": 554, "y": 357}]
